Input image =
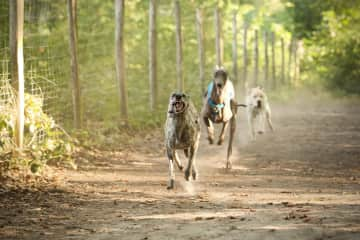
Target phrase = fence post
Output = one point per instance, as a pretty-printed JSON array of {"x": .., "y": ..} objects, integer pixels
[
  {"x": 76, "y": 94},
  {"x": 298, "y": 53},
  {"x": 282, "y": 61},
  {"x": 16, "y": 25},
  {"x": 234, "y": 48},
  {"x": 179, "y": 67},
  {"x": 289, "y": 80},
  {"x": 152, "y": 54},
  {"x": 200, "y": 35},
  {"x": 256, "y": 58},
  {"x": 119, "y": 53},
  {"x": 266, "y": 66},
  {"x": 218, "y": 41},
  {"x": 245, "y": 57},
  {"x": 273, "y": 63}
]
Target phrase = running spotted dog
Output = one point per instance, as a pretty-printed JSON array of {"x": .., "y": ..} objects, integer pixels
[{"x": 182, "y": 131}]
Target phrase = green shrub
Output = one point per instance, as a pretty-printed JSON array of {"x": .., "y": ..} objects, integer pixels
[{"x": 44, "y": 140}]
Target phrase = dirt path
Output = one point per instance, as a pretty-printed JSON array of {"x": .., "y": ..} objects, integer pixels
[{"x": 301, "y": 182}]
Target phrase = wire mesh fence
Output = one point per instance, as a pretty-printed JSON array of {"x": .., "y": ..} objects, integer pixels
[
  {"x": 45, "y": 68},
  {"x": 46, "y": 71},
  {"x": 5, "y": 89}
]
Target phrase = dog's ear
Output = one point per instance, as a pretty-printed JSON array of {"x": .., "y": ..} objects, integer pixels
[
  {"x": 186, "y": 96},
  {"x": 217, "y": 68},
  {"x": 260, "y": 87}
]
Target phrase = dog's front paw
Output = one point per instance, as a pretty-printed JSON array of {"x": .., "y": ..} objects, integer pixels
[
  {"x": 220, "y": 142},
  {"x": 171, "y": 184},
  {"x": 194, "y": 174},
  {"x": 228, "y": 165},
  {"x": 211, "y": 140},
  {"x": 187, "y": 175},
  {"x": 181, "y": 168}
]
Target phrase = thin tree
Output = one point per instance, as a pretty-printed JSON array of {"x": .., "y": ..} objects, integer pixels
[
  {"x": 234, "y": 47},
  {"x": 282, "y": 61},
  {"x": 273, "y": 63},
  {"x": 200, "y": 36},
  {"x": 17, "y": 66},
  {"x": 76, "y": 92},
  {"x": 266, "y": 65},
  {"x": 119, "y": 53},
  {"x": 152, "y": 54},
  {"x": 245, "y": 57},
  {"x": 256, "y": 57},
  {"x": 298, "y": 52},
  {"x": 290, "y": 49},
  {"x": 218, "y": 41},
  {"x": 179, "y": 58}
]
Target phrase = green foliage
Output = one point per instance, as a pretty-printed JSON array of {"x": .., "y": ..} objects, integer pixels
[
  {"x": 334, "y": 50},
  {"x": 44, "y": 141}
]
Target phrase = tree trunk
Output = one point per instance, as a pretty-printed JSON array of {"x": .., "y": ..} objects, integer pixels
[
  {"x": 119, "y": 53},
  {"x": 282, "y": 61},
  {"x": 256, "y": 58},
  {"x": 218, "y": 42},
  {"x": 76, "y": 93},
  {"x": 266, "y": 66},
  {"x": 290, "y": 61},
  {"x": 17, "y": 66},
  {"x": 234, "y": 48},
  {"x": 200, "y": 35},
  {"x": 298, "y": 52},
  {"x": 245, "y": 57},
  {"x": 179, "y": 58},
  {"x": 273, "y": 63},
  {"x": 152, "y": 54}
]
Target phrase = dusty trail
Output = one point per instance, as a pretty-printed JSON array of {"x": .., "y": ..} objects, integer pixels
[{"x": 301, "y": 182}]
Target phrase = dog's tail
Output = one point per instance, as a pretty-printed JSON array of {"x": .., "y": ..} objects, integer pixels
[{"x": 241, "y": 105}]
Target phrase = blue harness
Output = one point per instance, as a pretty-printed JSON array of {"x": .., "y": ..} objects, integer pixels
[{"x": 216, "y": 107}]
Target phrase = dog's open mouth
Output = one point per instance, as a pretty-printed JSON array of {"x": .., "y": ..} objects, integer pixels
[{"x": 178, "y": 106}]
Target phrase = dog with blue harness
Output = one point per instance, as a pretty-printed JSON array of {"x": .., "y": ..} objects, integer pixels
[{"x": 220, "y": 107}]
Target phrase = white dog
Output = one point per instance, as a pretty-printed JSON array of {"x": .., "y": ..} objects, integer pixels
[{"x": 258, "y": 109}]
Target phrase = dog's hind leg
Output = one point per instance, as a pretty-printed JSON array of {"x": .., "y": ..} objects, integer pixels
[
  {"x": 186, "y": 152},
  {"x": 261, "y": 125},
  {"x": 268, "y": 119},
  {"x": 194, "y": 171},
  {"x": 177, "y": 161},
  {"x": 251, "y": 120},
  {"x": 191, "y": 167},
  {"x": 222, "y": 134},
  {"x": 231, "y": 139},
  {"x": 210, "y": 130},
  {"x": 171, "y": 154}
]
